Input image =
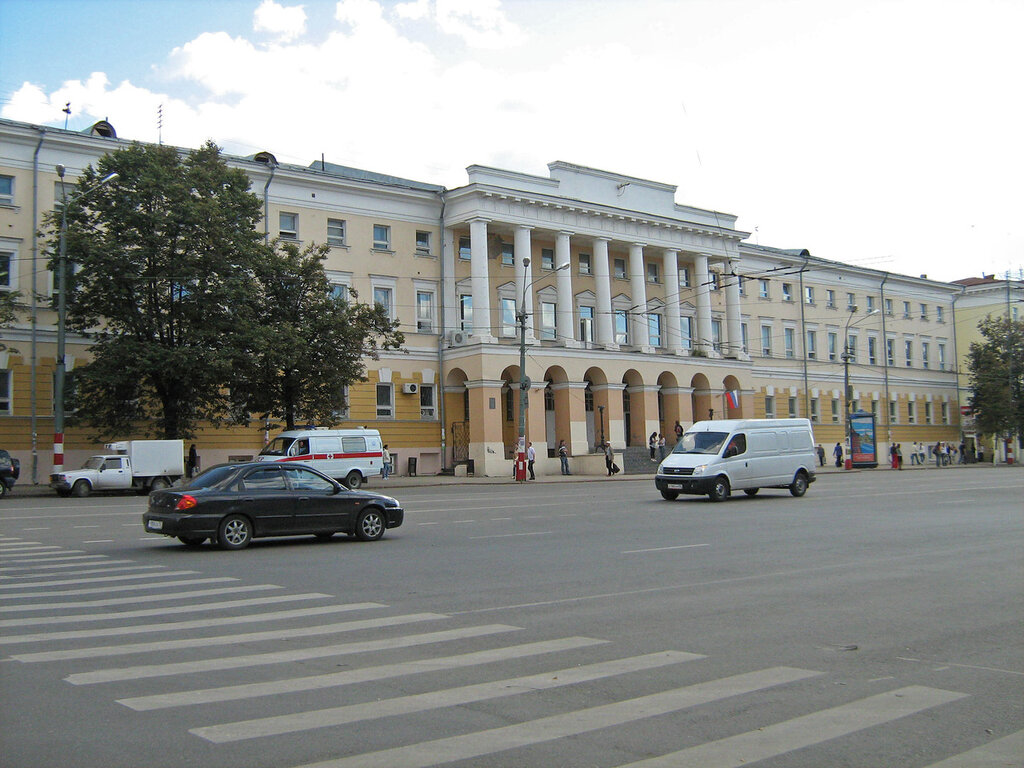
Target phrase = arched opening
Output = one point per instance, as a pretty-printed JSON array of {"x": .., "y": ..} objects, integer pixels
[
  {"x": 732, "y": 403},
  {"x": 703, "y": 407}
]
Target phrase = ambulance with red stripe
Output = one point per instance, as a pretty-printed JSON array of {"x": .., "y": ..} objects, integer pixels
[{"x": 348, "y": 455}]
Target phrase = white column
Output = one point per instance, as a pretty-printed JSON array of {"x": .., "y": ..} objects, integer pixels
[
  {"x": 565, "y": 328},
  {"x": 448, "y": 298},
  {"x": 524, "y": 269},
  {"x": 702, "y": 278},
  {"x": 479, "y": 281},
  {"x": 673, "y": 331},
  {"x": 733, "y": 322},
  {"x": 603, "y": 290},
  {"x": 639, "y": 334}
]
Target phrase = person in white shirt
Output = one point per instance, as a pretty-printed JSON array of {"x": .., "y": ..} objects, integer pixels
[{"x": 531, "y": 456}]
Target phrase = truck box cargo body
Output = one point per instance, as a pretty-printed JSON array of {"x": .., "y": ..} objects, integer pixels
[{"x": 718, "y": 457}]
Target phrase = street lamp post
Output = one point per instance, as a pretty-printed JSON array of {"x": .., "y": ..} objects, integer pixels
[
  {"x": 524, "y": 380},
  {"x": 62, "y": 264},
  {"x": 846, "y": 357}
]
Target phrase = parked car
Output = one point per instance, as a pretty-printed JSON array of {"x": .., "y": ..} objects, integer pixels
[
  {"x": 10, "y": 469},
  {"x": 231, "y": 504}
]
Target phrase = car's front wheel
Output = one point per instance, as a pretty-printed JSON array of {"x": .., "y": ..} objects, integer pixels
[
  {"x": 370, "y": 525},
  {"x": 235, "y": 532},
  {"x": 720, "y": 490}
]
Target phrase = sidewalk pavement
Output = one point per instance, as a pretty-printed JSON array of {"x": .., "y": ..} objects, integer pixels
[{"x": 422, "y": 481}]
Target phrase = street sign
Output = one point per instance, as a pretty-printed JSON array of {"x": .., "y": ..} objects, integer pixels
[{"x": 965, "y": 410}]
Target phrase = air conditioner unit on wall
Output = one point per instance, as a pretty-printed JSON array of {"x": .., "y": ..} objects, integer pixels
[
  {"x": 410, "y": 389},
  {"x": 458, "y": 338}
]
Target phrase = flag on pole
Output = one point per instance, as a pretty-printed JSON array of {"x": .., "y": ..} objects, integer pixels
[{"x": 732, "y": 397}]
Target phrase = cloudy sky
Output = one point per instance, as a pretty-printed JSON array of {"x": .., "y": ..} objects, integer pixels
[{"x": 884, "y": 133}]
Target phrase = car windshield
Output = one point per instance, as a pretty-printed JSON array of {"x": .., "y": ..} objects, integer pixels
[
  {"x": 277, "y": 447},
  {"x": 701, "y": 442},
  {"x": 93, "y": 462}
]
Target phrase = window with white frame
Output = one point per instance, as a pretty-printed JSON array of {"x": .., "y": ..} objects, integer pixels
[
  {"x": 888, "y": 307},
  {"x": 714, "y": 281},
  {"x": 336, "y": 232},
  {"x": 340, "y": 291},
  {"x": 906, "y": 310},
  {"x": 908, "y": 351},
  {"x": 924, "y": 354},
  {"x": 716, "y": 335},
  {"x": 6, "y": 190},
  {"x": 8, "y": 273},
  {"x": 769, "y": 406},
  {"x": 386, "y": 401},
  {"x": 465, "y": 248},
  {"x": 832, "y": 339},
  {"x": 425, "y": 302},
  {"x": 288, "y": 225},
  {"x": 924, "y": 311},
  {"x": 686, "y": 332},
  {"x": 787, "y": 291},
  {"x": 835, "y": 410},
  {"x": 653, "y": 275},
  {"x": 871, "y": 303},
  {"x": 808, "y": 294},
  {"x": 619, "y": 268},
  {"x": 547, "y": 258},
  {"x": 766, "y": 341},
  {"x": 508, "y": 317},
  {"x": 422, "y": 242},
  {"x": 547, "y": 320},
  {"x": 384, "y": 296},
  {"x": 812, "y": 345},
  {"x": 872, "y": 350},
  {"x": 654, "y": 330},
  {"x": 789, "y": 342},
  {"x": 466, "y": 312},
  {"x": 945, "y": 413},
  {"x": 742, "y": 281},
  {"x": 508, "y": 254},
  {"x": 815, "y": 410},
  {"x": 340, "y": 284},
  {"x": 5, "y": 393},
  {"x": 830, "y": 299},
  {"x": 927, "y": 412},
  {"x": 745, "y": 337},
  {"x": 911, "y": 412},
  {"x": 587, "y": 324},
  {"x": 890, "y": 352},
  {"x": 762, "y": 289},
  {"x": 381, "y": 237},
  {"x": 874, "y": 409},
  {"x": 851, "y": 348},
  {"x": 684, "y": 277},
  {"x": 584, "y": 259},
  {"x": 851, "y": 301},
  {"x": 792, "y": 408},
  {"x": 894, "y": 412},
  {"x": 942, "y": 356},
  {"x": 427, "y": 408},
  {"x": 940, "y": 316},
  {"x": 621, "y": 318}
]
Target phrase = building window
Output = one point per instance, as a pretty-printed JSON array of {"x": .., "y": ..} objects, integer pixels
[
  {"x": 808, "y": 294},
  {"x": 7, "y": 273},
  {"x": 6, "y": 190},
  {"x": 547, "y": 258},
  {"x": 653, "y": 276},
  {"x": 888, "y": 307},
  {"x": 383, "y": 296},
  {"x": 815, "y": 410},
  {"x": 684, "y": 277},
  {"x": 894, "y": 412},
  {"x": 654, "y": 326},
  {"x": 713, "y": 281},
  {"x": 584, "y": 263},
  {"x": 466, "y": 312},
  {"x": 621, "y": 326},
  {"x": 872, "y": 350},
  {"x": 547, "y": 320},
  {"x": 942, "y": 356},
  {"x": 830, "y": 299},
  {"x": 742, "y": 282},
  {"x": 288, "y": 226},
  {"x": 766, "y": 341},
  {"x": 508, "y": 254},
  {"x": 716, "y": 335},
  {"x": 911, "y": 412},
  {"x": 619, "y": 268},
  {"x": 939, "y": 315},
  {"x": 851, "y": 348},
  {"x": 381, "y": 237},
  {"x": 890, "y": 352},
  {"x": 427, "y": 410},
  {"x": 945, "y": 413},
  {"x": 508, "y": 317},
  {"x": 924, "y": 354},
  {"x": 336, "y": 232},
  {"x": 835, "y": 410},
  {"x": 422, "y": 243},
  {"x": 745, "y": 337},
  {"x": 424, "y": 312},
  {"x": 924, "y": 311},
  {"x": 686, "y": 332},
  {"x": 587, "y": 325},
  {"x": 792, "y": 408},
  {"x": 927, "y": 413},
  {"x": 833, "y": 346},
  {"x": 769, "y": 406},
  {"x": 339, "y": 291},
  {"x": 871, "y": 303},
  {"x": 789, "y": 341},
  {"x": 5, "y": 393},
  {"x": 812, "y": 345},
  {"x": 385, "y": 401},
  {"x": 787, "y": 291},
  {"x": 762, "y": 289},
  {"x": 465, "y": 248},
  {"x": 906, "y": 310},
  {"x": 851, "y": 301},
  {"x": 874, "y": 409},
  {"x": 908, "y": 349}
]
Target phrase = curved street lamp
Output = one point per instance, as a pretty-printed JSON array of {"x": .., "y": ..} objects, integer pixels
[
  {"x": 60, "y": 372},
  {"x": 846, "y": 357}
]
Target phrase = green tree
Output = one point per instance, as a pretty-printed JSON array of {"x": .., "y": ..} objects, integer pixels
[
  {"x": 8, "y": 310},
  {"x": 309, "y": 343},
  {"x": 165, "y": 258},
  {"x": 996, "y": 368}
]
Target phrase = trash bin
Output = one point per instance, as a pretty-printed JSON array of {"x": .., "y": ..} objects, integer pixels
[{"x": 412, "y": 466}]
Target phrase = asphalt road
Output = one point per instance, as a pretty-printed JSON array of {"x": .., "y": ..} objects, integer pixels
[{"x": 877, "y": 621}]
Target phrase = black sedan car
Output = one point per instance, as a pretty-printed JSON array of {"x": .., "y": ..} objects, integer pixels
[{"x": 231, "y": 504}]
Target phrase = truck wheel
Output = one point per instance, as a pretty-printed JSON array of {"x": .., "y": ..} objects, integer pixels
[
  {"x": 353, "y": 480},
  {"x": 81, "y": 488},
  {"x": 720, "y": 490},
  {"x": 235, "y": 532},
  {"x": 158, "y": 484}
]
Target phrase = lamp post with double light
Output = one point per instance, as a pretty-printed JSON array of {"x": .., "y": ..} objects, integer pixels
[
  {"x": 524, "y": 380},
  {"x": 62, "y": 311},
  {"x": 846, "y": 357}
]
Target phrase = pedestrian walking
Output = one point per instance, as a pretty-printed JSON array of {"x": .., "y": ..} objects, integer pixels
[
  {"x": 937, "y": 450},
  {"x": 678, "y": 429},
  {"x": 386, "y": 466},
  {"x": 531, "y": 456},
  {"x": 193, "y": 460},
  {"x": 821, "y": 455},
  {"x": 892, "y": 457},
  {"x": 899, "y": 456},
  {"x": 914, "y": 459},
  {"x": 838, "y": 453},
  {"x": 563, "y": 456},
  {"x": 609, "y": 460}
]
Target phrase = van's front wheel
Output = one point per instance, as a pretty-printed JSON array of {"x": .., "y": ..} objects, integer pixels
[
  {"x": 720, "y": 490},
  {"x": 799, "y": 485},
  {"x": 669, "y": 495}
]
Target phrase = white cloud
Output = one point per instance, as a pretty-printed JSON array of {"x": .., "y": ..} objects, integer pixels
[
  {"x": 417, "y": 9},
  {"x": 480, "y": 23},
  {"x": 286, "y": 23}
]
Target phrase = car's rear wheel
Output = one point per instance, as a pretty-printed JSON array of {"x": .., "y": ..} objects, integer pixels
[
  {"x": 235, "y": 532},
  {"x": 751, "y": 491},
  {"x": 799, "y": 485},
  {"x": 720, "y": 490},
  {"x": 669, "y": 495},
  {"x": 81, "y": 488},
  {"x": 370, "y": 525},
  {"x": 3, "y": 489},
  {"x": 191, "y": 541},
  {"x": 353, "y": 480}
]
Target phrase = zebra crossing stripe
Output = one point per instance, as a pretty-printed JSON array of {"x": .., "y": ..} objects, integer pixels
[
  {"x": 176, "y": 626},
  {"x": 407, "y": 705},
  {"x": 123, "y": 588},
  {"x": 805, "y": 731},
  {"x": 138, "y": 599},
  {"x": 157, "y": 572},
  {"x": 473, "y": 745},
  {"x": 15, "y": 559},
  {"x": 65, "y": 565},
  {"x": 280, "y": 657},
  {"x": 354, "y": 676},
  {"x": 194, "y": 608},
  {"x": 6, "y": 550},
  {"x": 251, "y": 637},
  {"x": 1000, "y": 753},
  {"x": 20, "y": 582}
]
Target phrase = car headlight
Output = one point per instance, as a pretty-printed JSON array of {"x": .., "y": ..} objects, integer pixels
[{"x": 699, "y": 469}]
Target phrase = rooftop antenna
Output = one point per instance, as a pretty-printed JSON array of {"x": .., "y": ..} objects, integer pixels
[{"x": 67, "y": 114}]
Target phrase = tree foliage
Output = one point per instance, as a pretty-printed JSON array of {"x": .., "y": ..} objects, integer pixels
[
  {"x": 8, "y": 310},
  {"x": 165, "y": 260},
  {"x": 996, "y": 368},
  {"x": 310, "y": 342}
]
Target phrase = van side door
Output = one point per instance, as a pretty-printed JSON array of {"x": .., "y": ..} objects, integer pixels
[{"x": 736, "y": 460}]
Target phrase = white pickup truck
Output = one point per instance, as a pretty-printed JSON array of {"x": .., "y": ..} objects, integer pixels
[{"x": 132, "y": 465}]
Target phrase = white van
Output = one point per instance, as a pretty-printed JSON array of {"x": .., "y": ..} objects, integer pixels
[
  {"x": 349, "y": 455},
  {"x": 719, "y": 457}
]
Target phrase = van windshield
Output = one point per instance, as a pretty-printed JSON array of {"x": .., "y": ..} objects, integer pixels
[
  {"x": 277, "y": 447},
  {"x": 701, "y": 442}
]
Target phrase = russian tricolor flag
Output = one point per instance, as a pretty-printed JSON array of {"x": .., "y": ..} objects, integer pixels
[{"x": 732, "y": 397}]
